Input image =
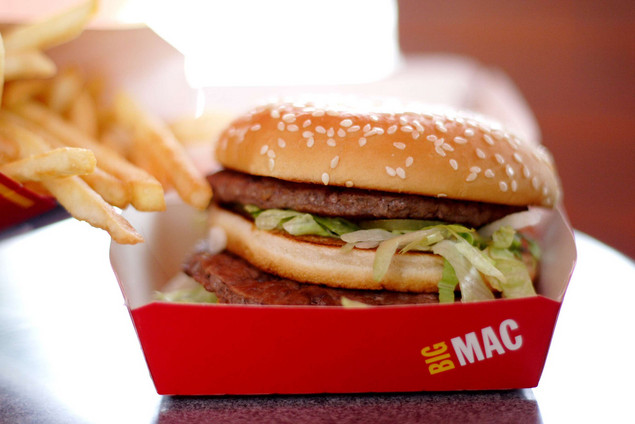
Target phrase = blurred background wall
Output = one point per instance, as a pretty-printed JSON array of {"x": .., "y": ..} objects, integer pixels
[{"x": 574, "y": 61}]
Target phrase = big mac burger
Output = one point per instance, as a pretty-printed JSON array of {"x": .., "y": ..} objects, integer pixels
[{"x": 326, "y": 204}]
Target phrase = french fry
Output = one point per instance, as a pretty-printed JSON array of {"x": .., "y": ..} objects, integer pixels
[
  {"x": 27, "y": 64},
  {"x": 56, "y": 163},
  {"x": 64, "y": 89},
  {"x": 111, "y": 188},
  {"x": 51, "y": 31},
  {"x": 117, "y": 138},
  {"x": 72, "y": 193},
  {"x": 154, "y": 139},
  {"x": 22, "y": 90},
  {"x": 204, "y": 128},
  {"x": 146, "y": 193},
  {"x": 82, "y": 113},
  {"x": 8, "y": 151}
]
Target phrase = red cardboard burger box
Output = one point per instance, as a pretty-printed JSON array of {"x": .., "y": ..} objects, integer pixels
[
  {"x": 213, "y": 349},
  {"x": 196, "y": 349}
]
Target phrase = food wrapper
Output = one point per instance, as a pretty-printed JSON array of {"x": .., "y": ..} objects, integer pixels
[{"x": 196, "y": 349}]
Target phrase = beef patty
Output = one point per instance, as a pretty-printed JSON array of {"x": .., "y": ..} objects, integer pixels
[
  {"x": 351, "y": 203},
  {"x": 235, "y": 280}
]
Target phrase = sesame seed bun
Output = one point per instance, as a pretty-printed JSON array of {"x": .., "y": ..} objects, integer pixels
[{"x": 430, "y": 152}]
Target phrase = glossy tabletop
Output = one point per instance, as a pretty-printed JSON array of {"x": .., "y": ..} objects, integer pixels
[{"x": 69, "y": 353}]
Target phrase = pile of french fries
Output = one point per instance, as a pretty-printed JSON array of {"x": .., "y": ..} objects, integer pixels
[{"x": 58, "y": 137}]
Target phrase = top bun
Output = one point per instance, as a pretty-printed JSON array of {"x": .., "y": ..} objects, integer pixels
[{"x": 427, "y": 151}]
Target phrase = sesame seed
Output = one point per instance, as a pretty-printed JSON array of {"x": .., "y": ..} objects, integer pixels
[
  {"x": 255, "y": 127},
  {"x": 370, "y": 133},
  {"x": 440, "y": 127},
  {"x": 535, "y": 183},
  {"x": 442, "y": 195},
  {"x": 281, "y": 143},
  {"x": 272, "y": 164},
  {"x": 335, "y": 161},
  {"x": 349, "y": 184},
  {"x": 354, "y": 128},
  {"x": 502, "y": 185},
  {"x": 407, "y": 128},
  {"x": 346, "y": 123},
  {"x": 418, "y": 125},
  {"x": 341, "y": 132},
  {"x": 391, "y": 171},
  {"x": 330, "y": 132},
  {"x": 281, "y": 126},
  {"x": 275, "y": 114},
  {"x": 483, "y": 127},
  {"x": 288, "y": 118},
  {"x": 497, "y": 134},
  {"x": 292, "y": 128},
  {"x": 440, "y": 151},
  {"x": 307, "y": 134},
  {"x": 447, "y": 147},
  {"x": 409, "y": 161},
  {"x": 378, "y": 130},
  {"x": 309, "y": 142},
  {"x": 362, "y": 141},
  {"x": 415, "y": 135},
  {"x": 325, "y": 178},
  {"x": 499, "y": 158},
  {"x": 366, "y": 128},
  {"x": 526, "y": 171},
  {"x": 374, "y": 118},
  {"x": 320, "y": 129},
  {"x": 510, "y": 171},
  {"x": 475, "y": 169},
  {"x": 403, "y": 120},
  {"x": 471, "y": 177},
  {"x": 488, "y": 139},
  {"x": 480, "y": 153},
  {"x": 391, "y": 129},
  {"x": 331, "y": 112},
  {"x": 454, "y": 164},
  {"x": 331, "y": 142},
  {"x": 318, "y": 113},
  {"x": 401, "y": 173},
  {"x": 306, "y": 123},
  {"x": 460, "y": 140},
  {"x": 489, "y": 173},
  {"x": 518, "y": 157},
  {"x": 432, "y": 138},
  {"x": 514, "y": 186},
  {"x": 400, "y": 146},
  {"x": 469, "y": 132},
  {"x": 264, "y": 149}
]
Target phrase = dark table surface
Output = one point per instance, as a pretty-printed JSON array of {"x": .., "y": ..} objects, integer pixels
[{"x": 69, "y": 353}]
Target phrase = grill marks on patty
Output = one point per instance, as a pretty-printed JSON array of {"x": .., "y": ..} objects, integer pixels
[
  {"x": 235, "y": 280},
  {"x": 352, "y": 203}
]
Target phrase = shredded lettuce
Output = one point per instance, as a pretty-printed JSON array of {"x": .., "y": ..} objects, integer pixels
[
  {"x": 196, "y": 294},
  {"x": 473, "y": 260},
  {"x": 447, "y": 284},
  {"x": 472, "y": 286},
  {"x": 299, "y": 223}
]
